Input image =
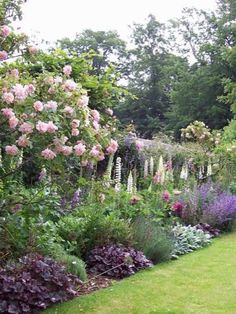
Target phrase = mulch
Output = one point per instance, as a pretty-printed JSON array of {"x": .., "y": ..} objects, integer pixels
[{"x": 94, "y": 283}]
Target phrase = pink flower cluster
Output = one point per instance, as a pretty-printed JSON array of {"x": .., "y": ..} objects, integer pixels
[
  {"x": 48, "y": 127},
  {"x": 97, "y": 153},
  {"x": 3, "y": 55},
  {"x": 4, "y": 31},
  {"x": 67, "y": 70},
  {"x": 112, "y": 148},
  {"x": 21, "y": 92}
]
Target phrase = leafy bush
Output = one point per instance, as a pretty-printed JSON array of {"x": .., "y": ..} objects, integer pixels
[
  {"x": 49, "y": 243},
  {"x": 213, "y": 232},
  {"x": 34, "y": 284},
  {"x": 188, "y": 239},
  {"x": 152, "y": 239},
  {"x": 117, "y": 261},
  {"x": 90, "y": 228},
  {"x": 222, "y": 211}
]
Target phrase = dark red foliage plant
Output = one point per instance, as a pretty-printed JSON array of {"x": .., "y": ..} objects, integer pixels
[
  {"x": 116, "y": 261},
  {"x": 33, "y": 284}
]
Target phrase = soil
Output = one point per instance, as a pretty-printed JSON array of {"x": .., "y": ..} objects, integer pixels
[{"x": 94, "y": 283}]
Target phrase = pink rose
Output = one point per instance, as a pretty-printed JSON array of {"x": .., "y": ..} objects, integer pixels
[
  {"x": 70, "y": 85},
  {"x": 68, "y": 111},
  {"x": 58, "y": 80},
  {"x": 75, "y": 123},
  {"x": 11, "y": 150},
  {"x": 67, "y": 70},
  {"x": 19, "y": 91},
  {"x": 74, "y": 132},
  {"x": 79, "y": 149},
  {"x": 23, "y": 141},
  {"x": 109, "y": 111},
  {"x": 95, "y": 114},
  {"x": 29, "y": 89},
  {"x": 97, "y": 153},
  {"x": 83, "y": 101},
  {"x": 51, "y": 127},
  {"x": 48, "y": 154},
  {"x": 3, "y": 55},
  {"x": 42, "y": 127},
  {"x": 8, "y": 98},
  {"x": 8, "y": 112},
  {"x": 5, "y": 31},
  {"x": 96, "y": 125},
  {"x": 51, "y": 105},
  {"x": 13, "y": 122},
  {"x": 112, "y": 148},
  {"x": 33, "y": 50},
  {"x": 66, "y": 150},
  {"x": 26, "y": 128},
  {"x": 14, "y": 73},
  {"x": 38, "y": 106}
]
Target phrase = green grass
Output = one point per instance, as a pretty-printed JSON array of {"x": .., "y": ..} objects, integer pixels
[{"x": 203, "y": 282}]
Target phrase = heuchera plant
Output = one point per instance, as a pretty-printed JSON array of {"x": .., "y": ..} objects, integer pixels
[
  {"x": 33, "y": 284},
  {"x": 117, "y": 261}
]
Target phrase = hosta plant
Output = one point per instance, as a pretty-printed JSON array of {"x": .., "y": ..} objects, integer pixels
[
  {"x": 188, "y": 239},
  {"x": 117, "y": 261}
]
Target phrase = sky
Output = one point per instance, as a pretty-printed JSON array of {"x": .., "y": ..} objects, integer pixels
[{"x": 54, "y": 19}]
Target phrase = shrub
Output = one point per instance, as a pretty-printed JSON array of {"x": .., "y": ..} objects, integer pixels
[
  {"x": 117, "y": 261},
  {"x": 152, "y": 239},
  {"x": 188, "y": 239},
  {"x": 221, "y": 212},
  {"x": 213, "y": 232},
  {"x": 91, "y": 229},
  {"x": 34, "y": 284},
  {"x": 50, "y": 244}
]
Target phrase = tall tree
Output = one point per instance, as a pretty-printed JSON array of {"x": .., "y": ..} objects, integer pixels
[{"x": 109, "y": 49}]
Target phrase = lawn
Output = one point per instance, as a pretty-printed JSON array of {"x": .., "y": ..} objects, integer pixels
[{"x": 203, "y": 282}]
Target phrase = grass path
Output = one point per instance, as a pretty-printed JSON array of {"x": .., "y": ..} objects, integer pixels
[{"x": 203, "y": 282}]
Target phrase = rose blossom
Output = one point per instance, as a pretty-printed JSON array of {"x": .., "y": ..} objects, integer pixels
[
  {"x": 95, "y": 114},
  {"x": 11, "y": 150},
  {"x": 79, "y": 149},
  {"x": 68, "y": 110},
  {"x": 19, "y": 91},
  {"x": 38, "y": 106},
  {"x": 13, "y": 121},
  {"x": 51, "y": 105},
  {"x": 51, "y": 127},
  {"x": 97, "y": 153},
  {"x": 109, "y": 111},
  {"x": 14, "y": 73},
  {"x": 75, "y": 123},
  {"x": 29, "y": 89},
  {"x": 23, "y": 141},
  {"x": 58, "y": 80},
  {"x": 112, "y": 148},
  {"x": 26, "y": 128},
  {"x": 67, "y": 70},
  {"x": 33, "y": 50},
  {"x": 96, "y": 125},
  {"x": 42, "y": 127},
  {"x": 74, "y": 132},
  {"x": 48, "y": 154},
  {"x": 66, "y": 150},
  {"x": 3, "y": 55},
  {"x": 83, "y": 101},
  {"x": 8, "y": 112},
  {"x": 8, "y": 98},
  {"x": 5, "y": 31},
  {"x": 70, "y": 85}
]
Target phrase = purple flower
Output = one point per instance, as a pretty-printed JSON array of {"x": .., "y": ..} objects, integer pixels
[{"x": 221, "y": 210}]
